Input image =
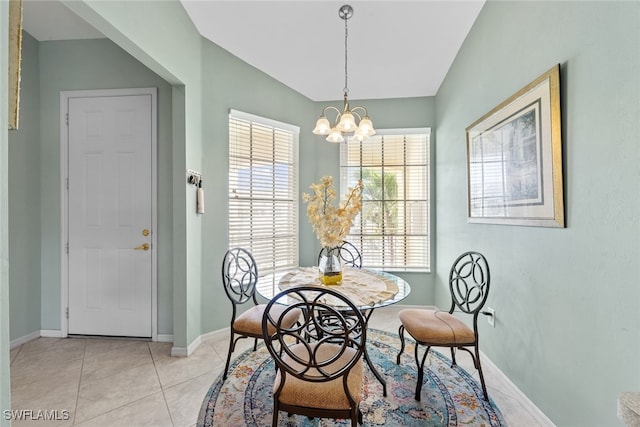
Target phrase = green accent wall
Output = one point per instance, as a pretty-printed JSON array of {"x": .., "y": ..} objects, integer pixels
[
  {"x": 24, "y": 200},
  {"x": 5, "y": 377},
  {"x": 568, "y": 326}
]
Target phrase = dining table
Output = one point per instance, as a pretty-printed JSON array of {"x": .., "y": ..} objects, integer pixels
[{"x": 368, "y": 289}]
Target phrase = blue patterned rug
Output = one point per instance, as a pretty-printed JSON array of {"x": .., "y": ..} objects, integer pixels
[{"x": 450, "y": 396}]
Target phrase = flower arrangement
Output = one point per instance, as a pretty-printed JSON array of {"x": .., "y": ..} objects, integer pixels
[{"x": 332, "y": 223}]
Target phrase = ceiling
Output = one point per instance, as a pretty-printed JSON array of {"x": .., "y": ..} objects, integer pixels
[{"x": 396, "y": 49}]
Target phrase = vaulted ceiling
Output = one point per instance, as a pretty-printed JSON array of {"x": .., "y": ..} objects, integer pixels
[{"x": 396, "y": 49}]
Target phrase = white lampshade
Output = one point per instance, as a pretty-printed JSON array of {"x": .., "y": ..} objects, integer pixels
[
  {"x": 366, "y": 127},
  {"x": 323, "y": 127},
  {"x": 335, "y": 136},
  {"x": 357, "y": 136},
  {"x": 347, "y": 122}
]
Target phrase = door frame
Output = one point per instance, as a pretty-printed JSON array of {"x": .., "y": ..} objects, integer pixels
[{"x": 65, "y": 96}]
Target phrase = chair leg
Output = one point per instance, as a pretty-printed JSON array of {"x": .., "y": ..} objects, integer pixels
[
  {"x": 231, "y": 348},
  {"x": 453, "y": 357},
  {"x": 420, "y": 366},
  {"x": 276, "y": 410},
  {"x": 479, "y": 367},
  {"x": 255, "y": 344},
  {"x": 401, "y": 333}
]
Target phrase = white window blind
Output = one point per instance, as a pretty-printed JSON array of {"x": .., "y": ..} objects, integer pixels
[
  {"x": 392, "y": 230},
  {"x": 263, "y": 190}
]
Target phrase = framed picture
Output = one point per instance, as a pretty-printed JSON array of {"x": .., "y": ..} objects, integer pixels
[
  {"x": 514, "y": 159},
  {"x": 15, "y": 52}
]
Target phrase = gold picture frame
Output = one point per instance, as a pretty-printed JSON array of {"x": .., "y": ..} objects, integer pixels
[
  {"x": 514, "y": 159},
  {"x": 15, "y": 56}
]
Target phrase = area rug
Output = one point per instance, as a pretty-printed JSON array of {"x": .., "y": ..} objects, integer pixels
[{"x": 450, "y": 396}]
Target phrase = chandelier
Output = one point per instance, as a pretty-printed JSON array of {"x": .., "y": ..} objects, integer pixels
[{"x": 348, "y": 122}]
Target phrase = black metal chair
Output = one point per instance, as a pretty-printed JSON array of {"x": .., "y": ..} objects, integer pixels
[
  {"x": 319, "y": 359},
  {"x": 348, "y": 253},
  {"x": 469, "y": 286},
  {"x": 239, "y": 277}
]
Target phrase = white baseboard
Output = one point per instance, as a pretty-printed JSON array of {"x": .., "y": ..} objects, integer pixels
[
  {"x": 213, "y": 335},
  {"x": 24, "y": 339},
  {"x": 52, "y": 333},
  {"x": 186, "y": 351},
  {"x": 165, "y": 337},
  {"x": 520, "y": 395}
]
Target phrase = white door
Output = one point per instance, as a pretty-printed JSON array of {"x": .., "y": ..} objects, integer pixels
[{"x": 110, "y": 215}]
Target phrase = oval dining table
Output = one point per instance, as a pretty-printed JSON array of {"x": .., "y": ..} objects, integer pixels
[{"x": 368, "y": 289}]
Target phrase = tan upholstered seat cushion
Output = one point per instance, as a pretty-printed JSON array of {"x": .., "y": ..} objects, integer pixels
[
  {"x": 250, "y": 322},
  {"x": 324, "y": 395},
  {"x": 435, "y": 327}
]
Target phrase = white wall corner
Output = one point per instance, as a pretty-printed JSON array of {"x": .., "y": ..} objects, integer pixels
[
  {"x": 186, "y": 351},
  {"x": 209, "y": 336}
]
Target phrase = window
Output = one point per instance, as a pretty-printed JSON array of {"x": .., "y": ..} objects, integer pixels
[
  {"x": 263, "y": 190},
  {"x": 392, "y": 230}
]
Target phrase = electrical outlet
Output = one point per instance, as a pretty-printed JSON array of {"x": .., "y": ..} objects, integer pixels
[{"x": 491, "y": 316}]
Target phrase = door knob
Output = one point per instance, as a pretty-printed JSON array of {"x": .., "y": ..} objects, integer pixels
[{"x": 142, "y": 247}]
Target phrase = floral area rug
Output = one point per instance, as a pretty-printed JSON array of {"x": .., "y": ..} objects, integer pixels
[{"x": 450, "y": 396}]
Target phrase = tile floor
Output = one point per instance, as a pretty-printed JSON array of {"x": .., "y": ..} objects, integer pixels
[{"x": 114, "y": 382}]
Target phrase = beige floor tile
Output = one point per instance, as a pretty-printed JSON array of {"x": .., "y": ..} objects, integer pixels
[
  {"x": 221, "y": 346},
  {"x": 50, "y": 351},
  {"x": 149, "y": 411},
  {"x": 176, "y": 370},
  {"x": 13, "y": 353},
  {"x": 59, "y": 402},
  {"x": 115, "y": 360},
  {"x": 185, "y": 399},
  {"x": 41, "y": 377},
  {"x": 95, "y": 346},
  {"x": 160, "y": 350},
  {"x": 100, "y": 396}
]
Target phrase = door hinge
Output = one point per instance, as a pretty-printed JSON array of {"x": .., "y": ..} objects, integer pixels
[
  {"x": 67, "y": 312},
  {"x": 67, "y": 119},
  {"x": 66, "y": 247}
]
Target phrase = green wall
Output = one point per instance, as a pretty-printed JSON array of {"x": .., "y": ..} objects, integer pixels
[
  {"x": 24, "y": 200},
  {"x": 5, "y": 377},
  {"x": 568, "y": 325}
]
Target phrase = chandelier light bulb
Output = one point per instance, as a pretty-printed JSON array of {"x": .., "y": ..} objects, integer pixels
[
  {"x": 347, "y": 122},
  {"x": 323, "y": 127},
  {"x": 335, "y": 136},
  {"x": 366, "y": 127}
]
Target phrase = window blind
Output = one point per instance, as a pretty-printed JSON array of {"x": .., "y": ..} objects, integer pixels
[
  {"x": 263, "y": 189},
  {"x": 392, "y": 230}
]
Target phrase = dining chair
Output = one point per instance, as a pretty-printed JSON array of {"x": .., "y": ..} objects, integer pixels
[
  {"x": 348, "y": 253},
  {"x": 239, "y": 277},
  {"x": 319, "y": 359},
  {"x": 469, "y": 287}
]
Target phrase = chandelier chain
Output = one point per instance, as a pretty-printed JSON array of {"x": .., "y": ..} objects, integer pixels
[{"x": 346, "y": 35}]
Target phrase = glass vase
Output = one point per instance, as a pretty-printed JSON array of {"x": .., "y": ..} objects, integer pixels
[{"x": 330, "y": 266}]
